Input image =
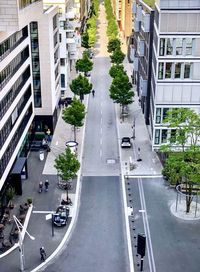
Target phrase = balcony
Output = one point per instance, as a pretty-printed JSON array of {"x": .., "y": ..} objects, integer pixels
[
  {"x": 137, "y": 25},
  {"x": 140, "y": 47},
  {"x": 143, "y": 87},
  {"x": 135, "y": 64},
  {"x": 146, "y": 22},
  {"x": 139, "y": 13}
]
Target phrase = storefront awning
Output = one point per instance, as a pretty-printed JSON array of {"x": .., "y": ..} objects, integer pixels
[{"x": 18, "y": 166}]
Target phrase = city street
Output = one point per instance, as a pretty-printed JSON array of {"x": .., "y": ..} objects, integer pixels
[
  {"x": 172, "y": 243},
  {"x": 98, "y": 242}
]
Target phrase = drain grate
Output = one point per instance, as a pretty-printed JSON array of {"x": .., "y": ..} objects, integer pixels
[{"x": 111, "y": 161}]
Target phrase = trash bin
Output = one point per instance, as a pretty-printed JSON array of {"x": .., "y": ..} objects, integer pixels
[{"x": 41, "y": 155}]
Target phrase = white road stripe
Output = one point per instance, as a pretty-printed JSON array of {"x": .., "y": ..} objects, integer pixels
[
  {"x": 43, "y": 212},
  {"x": 146, "y": 227}
]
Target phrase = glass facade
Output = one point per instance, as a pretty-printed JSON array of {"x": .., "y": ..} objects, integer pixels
[{"x": 35, "y": 64}]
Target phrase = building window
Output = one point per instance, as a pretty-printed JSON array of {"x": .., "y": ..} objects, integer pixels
[
  {"x": 168, "y": 70},
  {"x": 60, "y": 37},
  {"x": 157, "y": 136},
  {"x": 188, "y": 46},
  {"x": 62, "y": 24},
  {"x": 187, "y": 70},
  {"x": 162, "y": 47},
  {"x": 158, "y": 115},
  {"x": 62, "y": 80},
  {"x": 55, "y": 22},
  {"x": 173, "y": 136},
  {"x": 164, "y": 136},
  {"x": 165, "y": 110},
  {"x": 179, "y": 46},
  {"x": 62, "y": 62},
  {"x": 169, "y": 46},
  {"x": 160, "y": 70},
  {"x": 177, "y": 70}
]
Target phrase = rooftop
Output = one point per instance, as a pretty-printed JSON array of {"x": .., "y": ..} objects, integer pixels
[{"x": 150, "y": 3}]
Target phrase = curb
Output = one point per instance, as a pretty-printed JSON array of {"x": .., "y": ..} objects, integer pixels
[{"x": 75, "y": 212}]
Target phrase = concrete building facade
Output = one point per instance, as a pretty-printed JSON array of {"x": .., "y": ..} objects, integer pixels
[
  {"x": 175, "y": 71},
  {"x": 29, "y": 83}
]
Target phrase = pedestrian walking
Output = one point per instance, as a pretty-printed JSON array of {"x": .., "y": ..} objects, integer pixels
[
  {"x": 42, "y": 254},
  {"x": 46, "y": 184},
  {"x": 139, "y": 155},
  {"x": 93, "y": 92},
  {"x": 40, "y": 186},
  {"x": 48, "y": 132}
]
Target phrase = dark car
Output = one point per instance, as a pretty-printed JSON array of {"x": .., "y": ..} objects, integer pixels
[
  {"x": 126, "y": 142},
  {"x": 61, "y": 216}
]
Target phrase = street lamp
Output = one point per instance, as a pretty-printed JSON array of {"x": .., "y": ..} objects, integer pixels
[
  {"x": 133, "y": 127},
  {"x": 20, "y": 227}
]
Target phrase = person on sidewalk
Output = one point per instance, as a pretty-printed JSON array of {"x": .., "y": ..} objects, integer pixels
[
  {"x": 42, "y": 254},
  {"x": 46, "y": 184},
  {"x": 40, "y": 186},
  {"x": 138, "y": 153},
  {"x": 93, "y": 92}
]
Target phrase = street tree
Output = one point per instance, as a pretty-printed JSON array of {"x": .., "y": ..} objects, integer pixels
[
  {"x": 113, "y": 45},
  {"x": 116, "y": 70},
  {"x": 67, "y": 165},
  {"x": 117, "y": 56},
  {"x": 74, "y": 114},
  {"x": 120, "y": 91},
  {"x": 85, "y": 40},
  {"x": 81, "y": 86},
  {"x": 84, "y": 65},
  {"x": 183, "y": 166}
]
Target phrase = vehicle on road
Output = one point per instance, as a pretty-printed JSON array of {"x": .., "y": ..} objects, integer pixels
[
  {"x": 61, "y": 216},
  {"x": 126, "y": 142}
]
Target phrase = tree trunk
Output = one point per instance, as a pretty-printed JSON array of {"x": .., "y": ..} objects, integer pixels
[
  {"x": 122, "y": 112},
  {"x": 74, "y": 133},
  {"x": 189, "y": 197}
]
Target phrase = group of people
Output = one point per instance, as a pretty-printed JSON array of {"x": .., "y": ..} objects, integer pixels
[{"x": 46, "y": 185}]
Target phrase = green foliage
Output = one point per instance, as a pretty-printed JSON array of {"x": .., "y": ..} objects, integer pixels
[
  {"x": 85, "y": 40},
  {"x": 113, "y": 45},
  {"x": 81, "y": 86},
  {"x": 183, "y": 166},
  {"x": 89, "y": 36},
  {"x": 67, "y": 165},
  {"x": 118, "y": 56},
  {"x": 74, "y": 113},
  {"x": 120, "y": 90},
  {"x": 187, "y": 124},
  {"x": 10, "y": 193},
  {"x": 116, "y": 71},
  {"x": 84, "y": 64},
  {"x": 112, "y": 28}
]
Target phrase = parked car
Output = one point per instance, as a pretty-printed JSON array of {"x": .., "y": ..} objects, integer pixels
[
  {"x": 126, "y": 142},
  {"x": 61, "y": 216}
]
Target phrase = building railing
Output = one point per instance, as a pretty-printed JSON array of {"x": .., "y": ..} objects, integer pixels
[
  {"x": 25, "y": 3},
  {"x": 15, "y": 139}
]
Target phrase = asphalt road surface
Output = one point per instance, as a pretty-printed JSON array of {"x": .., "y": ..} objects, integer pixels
[
  {"x": 98, "y": 242},
  {"x": 172, "y": 244}
]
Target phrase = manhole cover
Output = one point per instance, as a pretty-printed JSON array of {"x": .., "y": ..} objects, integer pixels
[{"x": 111, "y": 161}]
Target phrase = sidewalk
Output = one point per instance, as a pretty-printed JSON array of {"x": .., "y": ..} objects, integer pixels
[
  {"x": 150, "y": 164},
  {"x": 46, "y": 202}
]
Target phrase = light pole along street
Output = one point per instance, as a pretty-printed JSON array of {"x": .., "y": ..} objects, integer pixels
[{"x": 20, "y": 227}]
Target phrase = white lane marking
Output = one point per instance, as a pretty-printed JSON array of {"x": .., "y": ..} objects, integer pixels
[
  {"x": 141, "y": 211},
  {"x": 100, "y": 153},
  {"x": 146, "y": 227},
  {"x": 128, "y": 232}
]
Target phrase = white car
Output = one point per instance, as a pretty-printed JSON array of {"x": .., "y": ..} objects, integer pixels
[{"x": 126, "y": 142}]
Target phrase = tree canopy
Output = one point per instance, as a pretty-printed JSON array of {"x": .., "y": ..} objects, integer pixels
[
  {"x": 113, "y": 45},
  {"x": 183, "y": 166},
  {"x": 120, "y": 90},
  {"x": 117, "y": 56},
  {"x": 84, "y": 64},
  {"x": 81, "y": 86},
  {"x": 116, "y": 70},
  {"x": 74, "y": 114},
  {"x": 67, "y": 165}
]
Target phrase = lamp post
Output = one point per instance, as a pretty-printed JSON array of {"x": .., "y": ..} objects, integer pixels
[
  {"x": 20, "y": 227},
  {"x": 133, "y": 127}
]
